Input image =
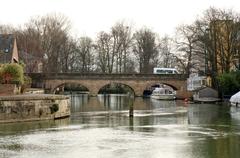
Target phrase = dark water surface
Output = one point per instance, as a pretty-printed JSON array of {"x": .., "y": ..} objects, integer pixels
[{"x": 100, "y": 127}]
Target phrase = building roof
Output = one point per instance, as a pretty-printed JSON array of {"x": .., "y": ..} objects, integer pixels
[
  {"x": 6, "y": 47},
  {"x": 204, "y": 87}
]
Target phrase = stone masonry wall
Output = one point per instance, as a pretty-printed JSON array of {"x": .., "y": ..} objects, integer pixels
[
  {"x": 138, "y": 86},
  {"x": 33, "y": 107},
  {"x": 9, "y": 89}
]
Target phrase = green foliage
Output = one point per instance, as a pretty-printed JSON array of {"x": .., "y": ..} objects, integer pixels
[
  {"x": 22, "y": 64},
  {"x": 27, "y": 80},
  {"x": 27, "y": 83},
  {"x": 11, "y": 73},
  {"x": 229, "y": 82}
]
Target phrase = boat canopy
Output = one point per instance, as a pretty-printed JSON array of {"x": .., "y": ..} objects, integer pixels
[
  {"x": 163, "y": 91},
  {"x": 235, "y": 98},
  {"x": 159, "y": 90}
]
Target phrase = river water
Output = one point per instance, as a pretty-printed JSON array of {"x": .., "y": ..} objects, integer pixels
[{"x": 100, "y": 127}]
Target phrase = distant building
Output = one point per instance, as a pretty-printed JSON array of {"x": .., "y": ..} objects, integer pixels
[
  {"x": 200, "y": 86},
  {"x": 195, "y": 82},
  {"x": 8, "y": 49},
  {"x": 205, "y": 94}
]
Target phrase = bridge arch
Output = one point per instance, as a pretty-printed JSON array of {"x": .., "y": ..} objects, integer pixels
[
  {"x": 163, "y": 83},
  {"x": 70, "y": 86},
  {"x": 117, "y": 84}
]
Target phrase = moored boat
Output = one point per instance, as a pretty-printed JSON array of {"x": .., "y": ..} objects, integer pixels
[
  {"x": 235, "y": 99},
  {"x": 163, "y": 94}
]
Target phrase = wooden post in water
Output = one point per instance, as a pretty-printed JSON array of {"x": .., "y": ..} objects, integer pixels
[
  {"x": 131, "y": 124},
  {"x": 130, "y": 107}
]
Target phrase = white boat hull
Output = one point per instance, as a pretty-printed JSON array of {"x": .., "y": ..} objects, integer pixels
[
  {"x": 235, "y": 99},
  {"x": 163, "y": 97},
  {"x": 234, "y": 104}
]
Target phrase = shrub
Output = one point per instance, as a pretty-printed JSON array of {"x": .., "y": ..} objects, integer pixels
[
  {"x": 12, "y": 73},
  {"x": 27, "y": 83},
  {"x": 229, "y": 82}
]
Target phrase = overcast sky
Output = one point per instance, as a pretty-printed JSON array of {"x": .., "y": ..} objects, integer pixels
[{"x": 91, "y": 16}]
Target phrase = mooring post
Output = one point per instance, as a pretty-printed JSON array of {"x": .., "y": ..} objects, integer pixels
[
  {"x": 131, "y": 124},
  {"x": 130, "y": 108}
]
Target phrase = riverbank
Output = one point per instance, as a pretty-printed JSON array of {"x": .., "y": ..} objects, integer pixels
[{"x": 33, "y": 107}]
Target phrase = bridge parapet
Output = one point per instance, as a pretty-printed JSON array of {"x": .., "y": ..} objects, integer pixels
[{"x": 101, "y": 76}]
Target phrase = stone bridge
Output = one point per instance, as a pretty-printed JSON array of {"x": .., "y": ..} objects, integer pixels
[{"x": 94, "y": 82}]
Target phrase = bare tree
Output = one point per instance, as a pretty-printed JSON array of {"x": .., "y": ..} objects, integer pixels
[
  {"x": 145, "y": 49},
  {"x": 29, "y": 46},
  {"x": 84, "y": 55},
  {"x": 186, "y": 55},
  {"x": 7, "y": 29},
  {"x": 105, "y": 54},
  {"x": 166, "y": 55},
  {"x": 50, "y": 36},
  {"x": 69, "y": 56},
  {"x": 122, "y": 39}
]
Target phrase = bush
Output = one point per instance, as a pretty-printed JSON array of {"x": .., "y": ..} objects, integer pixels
[
  {"x": 27, "y": 83},
  {"x": 11, "y": 73},
  {"x": 27, "y": 80},
  {"x": 229, "y": 82}
]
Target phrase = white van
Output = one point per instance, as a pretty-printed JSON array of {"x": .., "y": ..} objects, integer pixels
[{"x": 164, "y": 71}]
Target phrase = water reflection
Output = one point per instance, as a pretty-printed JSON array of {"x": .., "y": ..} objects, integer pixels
[
  {"x": 28, "y": 127},
  {"x": 113, "y": 111},
  {"x": 102, "y": 126},
  {"x": 235, "y": 113},
  {"x": 207, "y": 113}
]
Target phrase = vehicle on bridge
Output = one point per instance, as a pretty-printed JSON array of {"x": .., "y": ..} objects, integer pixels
[{"x": 157, "y": 70}]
